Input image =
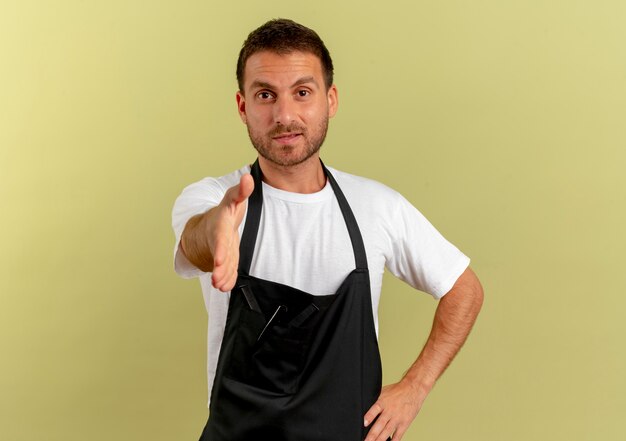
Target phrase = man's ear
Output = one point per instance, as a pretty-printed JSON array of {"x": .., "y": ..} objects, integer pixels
[
  {"x": 333, "y": 100},
  {"x": 241, "y": 106}
]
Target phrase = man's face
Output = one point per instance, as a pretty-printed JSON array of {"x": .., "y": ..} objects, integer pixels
[{"x": 286, "y": 106}]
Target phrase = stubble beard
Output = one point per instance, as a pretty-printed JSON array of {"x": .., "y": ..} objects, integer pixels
[{"x": 281, "y": 155}]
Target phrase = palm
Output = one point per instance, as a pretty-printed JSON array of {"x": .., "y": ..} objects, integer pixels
[{"x": 224, "y": 240}]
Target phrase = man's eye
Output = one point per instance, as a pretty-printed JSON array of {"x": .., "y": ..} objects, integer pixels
[
  {"x": 303, "y": 93},
  {"x": 264, "y": 95}
]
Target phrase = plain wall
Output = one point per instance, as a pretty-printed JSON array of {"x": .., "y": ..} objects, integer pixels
[{"x": 503, "y": 122}]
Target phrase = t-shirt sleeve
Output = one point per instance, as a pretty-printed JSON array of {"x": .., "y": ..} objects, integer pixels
[
  {"x": 420, "y": 255},
  {"x": 195, "y": 199}
]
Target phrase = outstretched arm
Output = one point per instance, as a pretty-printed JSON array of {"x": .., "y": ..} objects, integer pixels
[
  {"x": 399, "y": 403},
  {"x": 211, "y": 240}
]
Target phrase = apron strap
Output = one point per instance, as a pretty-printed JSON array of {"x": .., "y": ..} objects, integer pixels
[
  {"x": 360, "y": 258},
  {"x": 253, "y": 220}
]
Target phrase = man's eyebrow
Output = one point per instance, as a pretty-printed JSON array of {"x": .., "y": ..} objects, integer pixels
[
  {"x": 261, "y": 84},
  {"x": 264, "y": 85},
  {"x": 304, "y": 80}
]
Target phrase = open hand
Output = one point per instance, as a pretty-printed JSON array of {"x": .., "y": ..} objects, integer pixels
[
  {"x": 396, "y": 408},
  {"x": 223, "y": 233}
]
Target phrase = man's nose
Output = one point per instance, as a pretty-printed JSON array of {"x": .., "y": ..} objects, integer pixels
[{"x": 284, "y": 110}]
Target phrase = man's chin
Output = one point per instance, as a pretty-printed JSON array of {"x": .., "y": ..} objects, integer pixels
[{"x": 287, "y": 160}]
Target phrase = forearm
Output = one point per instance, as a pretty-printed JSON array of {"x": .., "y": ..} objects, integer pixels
[
  {"x": 399, "y": 403},
  {"x": 454, "y": 318},
  {"x": 195, "y": 241}
]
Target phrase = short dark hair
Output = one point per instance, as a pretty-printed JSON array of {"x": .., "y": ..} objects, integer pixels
[{"x": 283, "y": 36}]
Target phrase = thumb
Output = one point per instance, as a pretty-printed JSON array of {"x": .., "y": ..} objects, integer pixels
[{"x": 246, "y": 186}]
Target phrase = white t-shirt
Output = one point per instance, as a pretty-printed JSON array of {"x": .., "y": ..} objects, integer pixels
[{"x": 303, "y": 242}]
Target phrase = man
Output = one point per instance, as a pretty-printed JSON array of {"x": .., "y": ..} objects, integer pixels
[{"x": 290, "y": 256}]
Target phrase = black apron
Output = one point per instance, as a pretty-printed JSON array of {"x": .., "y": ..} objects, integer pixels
[{"x": 295, "y": 366}]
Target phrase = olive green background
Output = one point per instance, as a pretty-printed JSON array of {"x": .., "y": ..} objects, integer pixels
[{"x": 503, "y": 122}]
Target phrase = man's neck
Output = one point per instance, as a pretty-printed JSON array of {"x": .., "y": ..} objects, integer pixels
[{"x": 306, "y": 177}]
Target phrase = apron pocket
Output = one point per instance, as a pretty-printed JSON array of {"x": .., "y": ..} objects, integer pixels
[
  {"x": 279, "y": 357},
  {"x": 275, "y": 361}
]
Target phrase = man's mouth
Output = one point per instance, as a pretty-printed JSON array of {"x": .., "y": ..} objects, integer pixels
[{"x": 285, "y": 138}]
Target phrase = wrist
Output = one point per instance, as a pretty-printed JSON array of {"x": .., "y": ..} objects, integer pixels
[{"x": 419, "y": 383}]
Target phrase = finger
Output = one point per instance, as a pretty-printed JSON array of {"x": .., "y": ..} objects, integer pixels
[
  {"x": 224, "y": 237},
  {"x": 386, "y": 432},
  {"x": 217, "y": 278},
  {"x": 221, "y": 283},
  {"x": 216, "y": 281},
  {"x": 399, "y": 433},
  {"x": 372, "y": 413},
  {"x": 230, "y": 283},
  {"x": 223, "y": 273},
  {"x": 221, "y": 268},
  {"x": 220, "y": 253},
  {"x": 378, "y": 428},
  {"x": 224, "y": 285}
]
